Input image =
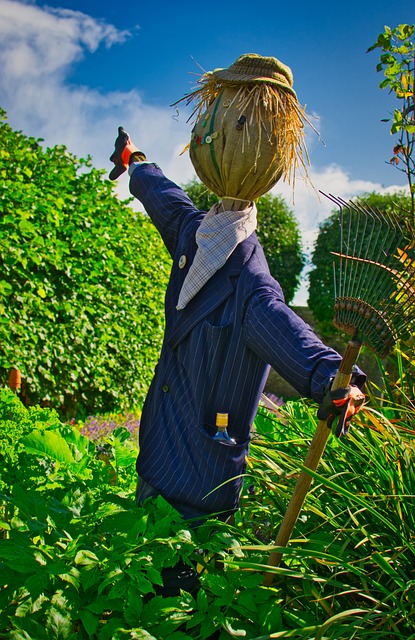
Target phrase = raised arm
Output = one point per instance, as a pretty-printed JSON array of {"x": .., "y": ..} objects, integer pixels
[{"x": 165, "y": 202}]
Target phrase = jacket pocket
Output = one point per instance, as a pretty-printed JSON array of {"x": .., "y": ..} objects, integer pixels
[{"x": 223, "y": 469}]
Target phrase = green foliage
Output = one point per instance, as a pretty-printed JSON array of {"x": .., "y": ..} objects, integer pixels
[
  {"x": 397, "y": 393},
  {"x": 397, "y": 64},
  {"x": 82, "y": 282},
  {"x": 200, "y": 195},
  {"x": 321, "y": 290},
  {"x": 17, "y": 422},
  {"x": 79, "y": 560},
  {"x": 277, "y": 232}
]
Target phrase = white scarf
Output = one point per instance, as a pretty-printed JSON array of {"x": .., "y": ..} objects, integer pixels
[{"x": 218, "y": 235}]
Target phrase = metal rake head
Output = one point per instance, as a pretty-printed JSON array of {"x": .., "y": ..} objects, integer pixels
[{"x": 374, "y": 277}]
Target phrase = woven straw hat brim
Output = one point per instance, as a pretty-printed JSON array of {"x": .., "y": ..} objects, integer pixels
[
  {"x": 225, "y": 76},
  {"x": 252, "y": 68}
]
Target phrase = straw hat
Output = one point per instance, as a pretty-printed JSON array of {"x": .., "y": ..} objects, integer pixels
[
  {"x": 252, "y": 68},
  {"x": 248, "y": 130}
]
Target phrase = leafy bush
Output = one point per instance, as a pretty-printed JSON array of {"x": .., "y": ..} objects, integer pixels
[
  {"x": 16, "y": 422},
  {"x": 78, "y": 559},
  {"x": 82, "y": 282}
]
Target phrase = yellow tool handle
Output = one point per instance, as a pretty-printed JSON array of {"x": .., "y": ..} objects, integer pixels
[{"x": 314, "y": 455}]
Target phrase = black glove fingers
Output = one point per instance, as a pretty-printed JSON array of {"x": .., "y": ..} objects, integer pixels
[
  {"x": 339, "y": 394},
  {"x": 120, "y": 144},
  {"x": 343, "y": 424},
  {"x": 323, "y": 413},
  {"x": 116, "y": 171}
]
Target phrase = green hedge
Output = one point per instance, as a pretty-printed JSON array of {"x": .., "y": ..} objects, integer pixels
[{"x": 82, "y": 282}]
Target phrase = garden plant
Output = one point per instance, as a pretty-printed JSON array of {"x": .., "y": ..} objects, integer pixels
[
  {"x": 397, "y": 62},
  {"x": 78, "y": 559}
]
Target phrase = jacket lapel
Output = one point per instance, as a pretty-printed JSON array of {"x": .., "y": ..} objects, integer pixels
[{"x": 213, "y": 294}]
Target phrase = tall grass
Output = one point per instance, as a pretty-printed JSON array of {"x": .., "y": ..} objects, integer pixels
[{"x": 349, "y": 571}]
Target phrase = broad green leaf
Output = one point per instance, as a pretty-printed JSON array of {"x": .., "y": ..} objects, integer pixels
[
  {"x": 49, "y": 443},
  {"x": 86, "y": 558},
  {"x": 90, "y": 621}
]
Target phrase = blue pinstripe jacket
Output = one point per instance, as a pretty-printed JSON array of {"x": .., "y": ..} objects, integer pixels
[{"x": 215, "y": 357}]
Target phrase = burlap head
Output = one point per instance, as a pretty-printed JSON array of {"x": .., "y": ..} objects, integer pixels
[{"x": 249, "y": 127}]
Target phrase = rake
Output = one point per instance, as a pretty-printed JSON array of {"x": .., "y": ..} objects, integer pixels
[{"x": 374, "y": 304}]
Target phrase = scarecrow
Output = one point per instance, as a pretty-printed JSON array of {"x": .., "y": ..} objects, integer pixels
[{"x": 226, "y": 319}]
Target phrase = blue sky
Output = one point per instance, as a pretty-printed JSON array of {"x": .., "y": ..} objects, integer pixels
[{"x": 72, "y": 71}]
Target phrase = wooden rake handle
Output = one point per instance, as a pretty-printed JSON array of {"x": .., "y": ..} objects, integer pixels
[{"x": 312, "y": 460}]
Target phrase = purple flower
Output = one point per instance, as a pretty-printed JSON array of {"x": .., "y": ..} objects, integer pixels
[{"x": 98, "y": 428}]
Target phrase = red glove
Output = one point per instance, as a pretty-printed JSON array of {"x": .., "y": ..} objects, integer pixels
[
  {"x": 343, "y": 403},
  {"x": 122, "y": 153}
]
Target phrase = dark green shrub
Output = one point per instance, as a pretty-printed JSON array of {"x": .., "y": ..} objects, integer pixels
[
  {"x": 79, "y": 560},
  {"x": 82, "y": 282}
]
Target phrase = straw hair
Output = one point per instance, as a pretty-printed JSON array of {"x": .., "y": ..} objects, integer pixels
[{"x": 249, "y": 128}]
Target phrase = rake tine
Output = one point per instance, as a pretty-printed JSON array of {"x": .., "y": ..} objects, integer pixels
[
  {"x": 351, "y": 245},
  {"x": 372, "y": 270},
  {"x": 399, "y": 306},
  {"x": 344, "y": 264},
  {"x": 406, "y": 304},
  {"x": 349, "y": 208},
  {"x": 371, "y": 281},
  {"x": 365, "y": 274},
  {"x": 375, "y": 240},
  {"x": 355, "y": 281}
]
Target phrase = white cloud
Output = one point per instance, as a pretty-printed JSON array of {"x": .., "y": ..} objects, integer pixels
[
  {"x": 36, "y": 43},
  {"x": 38, "y": 46}
]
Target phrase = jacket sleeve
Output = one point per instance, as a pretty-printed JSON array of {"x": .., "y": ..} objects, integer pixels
[
  {"x": 166, "y": 203},
  {"x": 283, "y": 340}
]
